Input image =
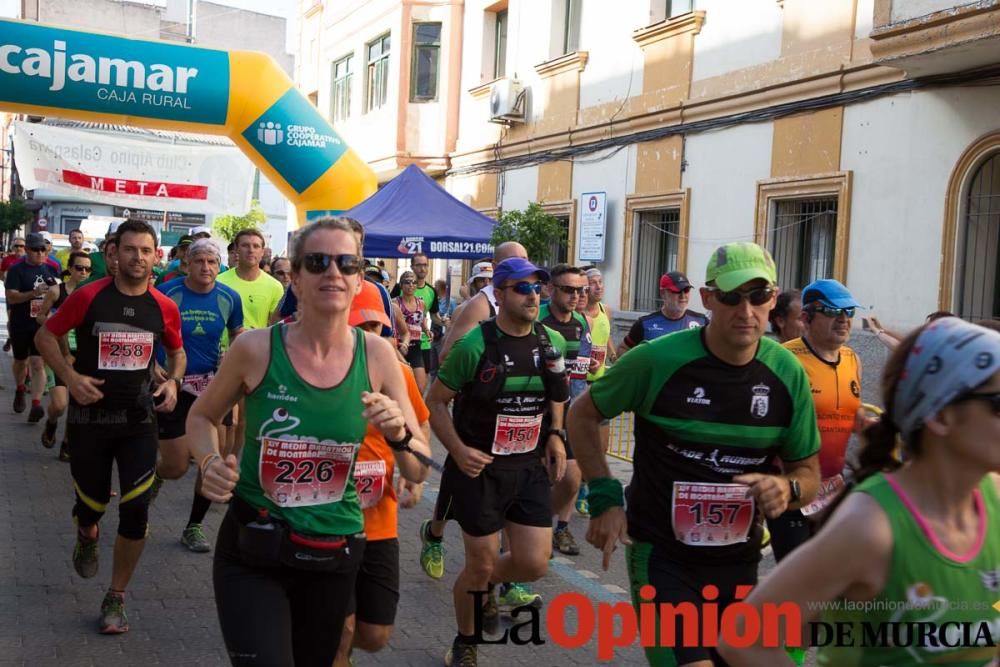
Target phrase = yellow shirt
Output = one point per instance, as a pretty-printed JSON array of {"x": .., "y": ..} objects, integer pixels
[{"x": 260, "y": 297}]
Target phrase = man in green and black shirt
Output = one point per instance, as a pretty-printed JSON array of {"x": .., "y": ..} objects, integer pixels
[
  {"x": 569, "y": 284},
  {"x": 506, "y": 444},
  {"x": 714, "y": 408}
]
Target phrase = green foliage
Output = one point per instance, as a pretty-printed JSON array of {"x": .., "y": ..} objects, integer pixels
[
  {"x": 13, "y": 214},
  {"x": 533, "y": 228},
  {"x": 228, "y": 226}
]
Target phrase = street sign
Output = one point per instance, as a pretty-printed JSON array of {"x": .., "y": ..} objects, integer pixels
[{"x": 593, "y": 226}]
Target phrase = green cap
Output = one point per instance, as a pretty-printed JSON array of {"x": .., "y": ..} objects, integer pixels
[{"x": 734, "y": 264}]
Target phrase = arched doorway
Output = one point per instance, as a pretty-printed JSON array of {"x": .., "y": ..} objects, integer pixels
[{"x": 977, "y": 284}]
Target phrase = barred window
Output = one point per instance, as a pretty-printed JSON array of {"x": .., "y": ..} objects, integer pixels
[
  {"x": 559, "y": 252},
  {"x": 979, "y": 247},
  {"x": 343, "y": 75},
  {"x": 802, "y": 239},
  {"x": 656, "y": 252}
]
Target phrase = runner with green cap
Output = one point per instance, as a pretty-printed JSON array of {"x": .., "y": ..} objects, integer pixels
[{"x": 714, "y": 408}]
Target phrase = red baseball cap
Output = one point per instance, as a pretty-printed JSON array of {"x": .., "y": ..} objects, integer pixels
[
  {"x": 674, "y": 281},
  {"x": 367, "y": 307}
]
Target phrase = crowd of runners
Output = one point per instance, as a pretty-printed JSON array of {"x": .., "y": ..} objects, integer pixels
[{"x": 305, "y": 394}]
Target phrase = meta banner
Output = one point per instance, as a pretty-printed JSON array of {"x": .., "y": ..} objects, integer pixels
[
  {"x": 45, "y": 66},
  {"x": 132, "y": 173}
]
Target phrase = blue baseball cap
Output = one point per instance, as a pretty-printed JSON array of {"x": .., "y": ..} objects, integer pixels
[
  {"x": 516, "y": 268},
  {"x": 830, "y": 292}
]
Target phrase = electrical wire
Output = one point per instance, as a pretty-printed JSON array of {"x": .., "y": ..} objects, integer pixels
[{"x": 612, "y": 145}]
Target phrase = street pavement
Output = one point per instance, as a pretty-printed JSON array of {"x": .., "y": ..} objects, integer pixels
[{"x": 48, "y": 615}]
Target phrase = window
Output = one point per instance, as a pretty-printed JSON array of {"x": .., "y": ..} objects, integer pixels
[
  {"x": 802, "y": 237},
  {"x": 979, "y": 245},
  {"x": 500, "y": 45},
  {"x": 571, "y": 26},
  {"x": 378, "y": 73},
  {"x": 426, "y": 56},
  {"x": 656, "y": 252},
  {"x": 804, "y": 223},
  {"x": 559, "y": 252},
  {"x": 678, "y": 7},
  {"x": 340, "y": 96}
]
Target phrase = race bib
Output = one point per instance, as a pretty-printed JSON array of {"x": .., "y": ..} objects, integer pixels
[
  {"x": 578, "y": 368},
  {"x": 711, "y": 515},
  {"x": 415, "y": 332},
  {"x": 195, "y": 384},
  {"x": 36, "y": 307},
  {"x": 828, "y": 492},
  {"x": 369, "y": 478},
  {"x": 124, "y": 350},
  {"x": 297, "y": 473},
  {"x": 599, "y": 354},
  {"x": 516, "y": 434}
]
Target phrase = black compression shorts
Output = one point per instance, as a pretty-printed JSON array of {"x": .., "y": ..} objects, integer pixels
[
  {"x": 376, "y": 591},
  {"x": 482, "y": 505}
]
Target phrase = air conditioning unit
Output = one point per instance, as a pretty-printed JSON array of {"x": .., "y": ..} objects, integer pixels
[{"x": 507, "y": 102}]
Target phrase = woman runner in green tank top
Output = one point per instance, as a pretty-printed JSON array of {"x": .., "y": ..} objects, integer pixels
[
  {"x": 289, "y": 547},
  {"x": 907, "y": 568}
]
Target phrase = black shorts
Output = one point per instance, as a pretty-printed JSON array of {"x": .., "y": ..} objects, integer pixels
[
  {"x": 427, "y": 359},
  {"x": 23, "y": 345},
  {"x": 376, "y": 590},
  {"x": 173, "y": 424},
  {"x": 482, "y": 505},
  {"x": 413, "y": 356},
  {"x": 442, "y": 506},
  {"x": 676, "y": 583}
]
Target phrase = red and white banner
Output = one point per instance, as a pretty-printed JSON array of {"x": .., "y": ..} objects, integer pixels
[{"x": 133, "y": 173}]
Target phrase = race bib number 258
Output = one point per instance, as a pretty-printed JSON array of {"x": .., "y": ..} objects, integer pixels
[{"x": 124, "y": 350}]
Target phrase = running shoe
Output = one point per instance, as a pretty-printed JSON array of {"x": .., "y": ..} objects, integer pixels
[
  {"x": 518, "y": 595},
  {"x": 461, "y": 655},
  {"x": 562, "y": 541},
  {"x": 491, "y": 613},
  {"x": 49, "y": 434},
  {"x": 431, "y": 553},
  {"x": 582, "y": 506},
  {"x": 85, "y": 556},
  {"x": 114, "y": 621},
  {"x": 194, "y": 539},
  {"x": 36, "y": 414},
  {"x": 20, "y": 402},
  {"x": 154, "y": 490}
]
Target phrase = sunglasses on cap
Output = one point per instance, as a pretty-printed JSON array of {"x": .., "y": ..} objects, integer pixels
[
  {"x": 829, "y": 311},
  {"x": 524, "y": 288},
  {"x": 566, "y": 289},
  {"x": 319, "y": 262},
  {"x": 756, "y": 297},
  {"x": 680, "y": 291},
  {"x": 85, "y": 269}
]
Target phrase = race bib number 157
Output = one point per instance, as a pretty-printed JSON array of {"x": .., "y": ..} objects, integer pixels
[{"x": 711, "y": 515}]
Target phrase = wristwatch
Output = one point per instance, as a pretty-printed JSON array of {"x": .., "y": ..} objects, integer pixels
[
  {"x": 401, "y": 445},
  {"x": 793, "y": 486},
  {"x": 561, "y": 432}
]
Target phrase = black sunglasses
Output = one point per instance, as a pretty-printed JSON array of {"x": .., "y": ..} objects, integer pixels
[
  {"x": 18, "y": 245},
  {"x": 85, "y": 269},
  {"x": 33, "y": 249},
  {"x": 832, "y": 312},
  {"x": 319, "y": 262},
  {"x": 566, "y": 289},
  {"x": 993, "y": 399},
  {"x": 756, "y": 297},
  {"x": 407, "y": 282},
  {"x": 524, "y": 289}
]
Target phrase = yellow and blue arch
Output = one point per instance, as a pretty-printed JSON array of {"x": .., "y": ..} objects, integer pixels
[{"x": 244, "y": 95}]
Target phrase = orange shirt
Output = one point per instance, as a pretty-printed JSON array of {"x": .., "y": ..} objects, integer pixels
[
  {"x": 373, "y": 472},
  {"x": 836, "y": 391}
]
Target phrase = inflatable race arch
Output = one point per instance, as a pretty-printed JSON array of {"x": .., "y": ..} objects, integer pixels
[{"x": 244, "y": 95}]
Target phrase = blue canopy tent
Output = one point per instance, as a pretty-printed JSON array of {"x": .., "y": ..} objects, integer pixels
[{"x": 411, "y": 213}]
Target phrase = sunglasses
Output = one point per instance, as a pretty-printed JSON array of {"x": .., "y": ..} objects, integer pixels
[
  {"x": 756, "y": 297},
  {"x": 281, "y": 272},
  {"x": 407, "y": 282},
  {"x": 566, "y": 289},
  {"x": 524, "y": 289},
  {"x": 683, "y": 291},
  {"x": 832, "y": 312},
  {"x": 319, "y": 262},
  {"x": 42, "y": 249},
  {"x": 85, "y": 269},
  {"x": 993, "y": 399},
  {"x": 18, "y": 245}
]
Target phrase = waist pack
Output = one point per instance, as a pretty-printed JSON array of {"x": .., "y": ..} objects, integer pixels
[{"x": 267, "y": 541}]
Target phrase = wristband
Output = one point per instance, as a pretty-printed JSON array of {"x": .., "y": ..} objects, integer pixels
[
  {"x": 208, "y": 458},
  {"x": 604, "y": 494}
]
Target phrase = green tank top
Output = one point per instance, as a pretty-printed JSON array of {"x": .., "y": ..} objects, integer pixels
[
  {"x": 600, "y": 336},
  {"x": 926, "y": 585},
  {"x": 301, "y": 442}
]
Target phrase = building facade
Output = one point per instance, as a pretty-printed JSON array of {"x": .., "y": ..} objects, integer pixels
[{"x": 856, "y": 139}]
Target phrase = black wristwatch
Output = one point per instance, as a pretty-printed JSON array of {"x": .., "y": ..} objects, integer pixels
[
  {"x": 793, "y": 486},
  {"x": 561, "y": 432},
  {"x": 401, "y": 445}
]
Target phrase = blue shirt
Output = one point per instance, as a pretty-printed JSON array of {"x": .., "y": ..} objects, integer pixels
[
  {"x": 290, "y": 303},
  {"x": 204, "y": 318},
  {"x": 656, "y": 324}
]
